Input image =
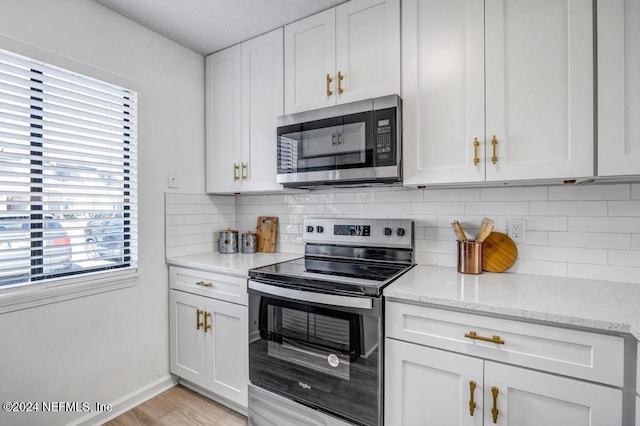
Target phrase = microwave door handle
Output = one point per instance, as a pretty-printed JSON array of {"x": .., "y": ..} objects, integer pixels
[{"x": 307, "y": 296}]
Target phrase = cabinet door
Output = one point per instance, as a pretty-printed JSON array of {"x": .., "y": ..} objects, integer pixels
[
  {"x": 367, "y": 49},
  {"x": 223, "y": 120},
  {"x": 539, "y": 89},
  {"x": 309, "y": 56},
  {"x": 227, "y": 350},
  {"x": 443, "y": 91},
  {"x": 618, "y": 87},
  {"x": 186, "y": 338},
  {"x": 425, "y": 386},
  {"x": 529, "y": 398},
  {"x": 262, "y": 103}
]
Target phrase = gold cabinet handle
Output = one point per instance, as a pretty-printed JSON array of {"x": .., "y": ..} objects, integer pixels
[
  {"x": 198, "y": 323},
  {"x": 472, "y": 404},
  {"x": 329, "y": 81},
  {"x": 235, "y": 172},
  {"x": 494, "y": 410},
  {"x": 203, "y": 284},
  {"x": 476, "y": 144},
  {"x": 244, "y": 171},
  {"x": 207, "y": 326},
  {"x": 495, "y": 339},
  {"x": 494, "y": 144},
  {"x": 340, "y": 78}
]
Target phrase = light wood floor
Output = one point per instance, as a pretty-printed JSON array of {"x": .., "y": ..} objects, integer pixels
[{"x": 179, "y": 406}]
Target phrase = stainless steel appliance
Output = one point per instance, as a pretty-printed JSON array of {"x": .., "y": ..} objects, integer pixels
[
  {"x": 356, "y": 143},
  {"x": 316, "y": 324}
]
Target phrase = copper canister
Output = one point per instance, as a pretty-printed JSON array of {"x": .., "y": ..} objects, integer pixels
[
  {"x": 228, "y": 241},
  {"x": 469, "y": 257},
  {"x": 249, "y": 242}
]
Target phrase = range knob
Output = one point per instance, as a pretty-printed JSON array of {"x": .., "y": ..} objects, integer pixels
[
  {"x": 309, "y": 228},
  {"x": 388, "y": 231},
  {"x": 401, "y": 232}
]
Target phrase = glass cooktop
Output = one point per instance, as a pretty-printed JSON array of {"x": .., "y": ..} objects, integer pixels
[{"x": 331, "y": 275}]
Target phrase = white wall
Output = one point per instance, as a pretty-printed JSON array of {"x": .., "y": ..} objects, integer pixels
[{"x": 103, "y": 347}]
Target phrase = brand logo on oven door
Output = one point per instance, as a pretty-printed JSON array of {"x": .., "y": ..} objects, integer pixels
[{"x": 304, "y": 385}]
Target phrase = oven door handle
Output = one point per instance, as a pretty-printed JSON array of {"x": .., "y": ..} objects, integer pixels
[{"x": 307, "y": 296}]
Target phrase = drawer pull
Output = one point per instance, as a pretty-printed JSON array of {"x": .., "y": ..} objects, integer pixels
[
  {"x": 472, "y": 404},
  {"x": 198, "y": 322},
  {"x": 495, "y": 339},
  {"x": 203, "y": 284},
  {"x": 494, "y": 410}
]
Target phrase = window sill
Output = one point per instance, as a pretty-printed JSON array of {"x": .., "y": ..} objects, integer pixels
[{"x": 36, "y": 294}]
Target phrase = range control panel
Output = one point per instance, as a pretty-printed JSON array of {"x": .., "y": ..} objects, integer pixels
[{"x": 364, "y": 232}]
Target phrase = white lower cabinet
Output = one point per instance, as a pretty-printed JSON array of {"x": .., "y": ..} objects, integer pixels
[
  {"x": 208, "y": 345},
  {"x": 431, "y": 386}
]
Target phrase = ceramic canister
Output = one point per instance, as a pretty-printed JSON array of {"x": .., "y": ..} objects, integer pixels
[
  {"x": 249, "y": 242},
  {"x": 228, "y": 241}
]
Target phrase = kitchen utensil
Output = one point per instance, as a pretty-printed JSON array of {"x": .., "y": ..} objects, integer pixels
[
  {"x": 228, "y": 242},
  {"x": 485, "y": 229},
  {"x": 457, "y": 228},
  {"x": 266, "y": 233},
  {"x": 470, "y": 257},
  {"x": 249, "y": 242},
  {"x": 499, "y": 252}
]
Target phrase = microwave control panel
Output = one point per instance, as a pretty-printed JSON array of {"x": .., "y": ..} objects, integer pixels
[{"x": 385, "y": 151}]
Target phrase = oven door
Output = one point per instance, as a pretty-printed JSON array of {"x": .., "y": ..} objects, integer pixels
[{"x": 321, "y": 350}]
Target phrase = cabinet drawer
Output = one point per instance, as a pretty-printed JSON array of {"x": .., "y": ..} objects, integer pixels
[
  {"x": 582, "y": 354},
  {"x": 209, "y": 284}
]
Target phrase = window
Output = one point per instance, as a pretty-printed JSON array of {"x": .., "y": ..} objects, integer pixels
[{"x": 67, "y": 176}]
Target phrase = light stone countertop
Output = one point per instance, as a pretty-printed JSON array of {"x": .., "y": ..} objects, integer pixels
[
  {"x": 592, "y": 304},
  {"x": 232, "y": 264}
]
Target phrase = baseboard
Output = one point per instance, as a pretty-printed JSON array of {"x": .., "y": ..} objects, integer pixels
[{"x": 128, "y": 401}]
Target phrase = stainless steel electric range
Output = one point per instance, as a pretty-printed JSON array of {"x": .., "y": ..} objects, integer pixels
[{"x": 316, "y": 324}]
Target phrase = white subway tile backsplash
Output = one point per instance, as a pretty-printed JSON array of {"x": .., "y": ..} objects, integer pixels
[
  {"x": 589, "y": 192},
  {"x": 437, "y": 207},
  {"x": 446, "y": 194},
  {"x": 624, "y": 208},
  {"x": 582, "y": 231},
  {"x": 569, "y": 208},
  {"x": 527, "y": 193},
  {"x": 488, "y": 208},
  {"x": 589, "y": 239},
  {"x": 569, "y": 254},
  {"x": 625, "y": 258},
  {"x": 622, "y": 225},
  {"x": 604, "y": 272}
]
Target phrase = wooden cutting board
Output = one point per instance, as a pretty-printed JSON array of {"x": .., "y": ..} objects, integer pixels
[
  {"x": 266, "y": 233},
  {"x": 499, "y": 252}
]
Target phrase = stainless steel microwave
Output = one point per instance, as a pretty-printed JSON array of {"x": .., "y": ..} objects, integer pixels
[{"x": 350, "y": 144}]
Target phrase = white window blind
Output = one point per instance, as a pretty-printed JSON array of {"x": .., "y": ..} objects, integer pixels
[{"x": 67, "y": 173}]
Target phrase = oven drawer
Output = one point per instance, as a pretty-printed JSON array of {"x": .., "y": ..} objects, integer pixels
[
  {"x": 581, "y": 354},
  {"x": 219, "y": 286}
]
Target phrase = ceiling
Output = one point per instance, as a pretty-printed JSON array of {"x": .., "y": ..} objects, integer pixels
[{"x": 206, "y": 26}]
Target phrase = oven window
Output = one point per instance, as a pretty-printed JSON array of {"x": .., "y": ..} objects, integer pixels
[{"x": 320, "y": 339}]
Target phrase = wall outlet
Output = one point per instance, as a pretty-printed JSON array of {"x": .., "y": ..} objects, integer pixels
[
  {"x": 172, "y": 180},
  {"x": 516, "y": 230}
]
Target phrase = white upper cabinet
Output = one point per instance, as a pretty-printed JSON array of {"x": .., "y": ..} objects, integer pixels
[
  {"x": 522, "y": 71},
  {"x": 223, "y": 119},
  {"x": 618, "y": 88},
  {"x": 244, "y": 86},
  {"x": 344, "y": 54}
]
